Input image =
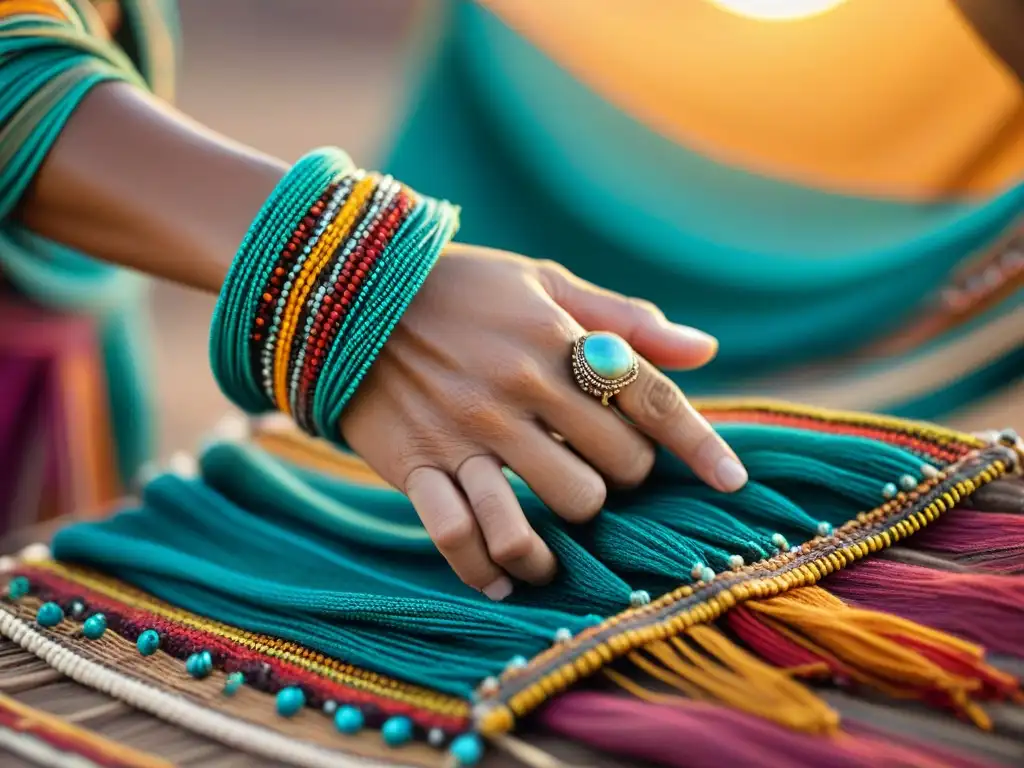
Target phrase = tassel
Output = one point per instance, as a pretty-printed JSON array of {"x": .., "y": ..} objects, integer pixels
[
  {"x": 692, "y": 734},
  {"x": 982, "y": 608},
  {"x": 987, "y": 540},
  {"x": 887, "y": 653},
  {"x": 707, "y": 665},
  {"x": 1004, "y": 495}
]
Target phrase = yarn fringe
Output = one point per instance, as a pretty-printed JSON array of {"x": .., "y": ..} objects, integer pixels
[
  {"x": 715, "y": 736},
  {"x": 706, "y": 665},
  {"x": 982, "y": 608},
  {"x": 992, "y": 541},
  {"x": 867, "y": 648},
  {"x": 810, "y": 634}
]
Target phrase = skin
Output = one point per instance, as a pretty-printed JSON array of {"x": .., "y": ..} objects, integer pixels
[{"x": 475, "y": 377}]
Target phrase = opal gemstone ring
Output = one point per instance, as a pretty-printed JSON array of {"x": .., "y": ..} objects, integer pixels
[{"x": 603, "y": 364}]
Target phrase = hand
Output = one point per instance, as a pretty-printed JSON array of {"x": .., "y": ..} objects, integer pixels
[{"x": 477, "y": 376}]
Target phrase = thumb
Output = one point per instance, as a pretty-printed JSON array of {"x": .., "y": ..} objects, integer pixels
[{"x": 639, "y": 322}]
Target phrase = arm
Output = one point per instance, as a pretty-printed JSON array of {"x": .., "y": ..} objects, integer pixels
[{"x": 133, "y": 182}]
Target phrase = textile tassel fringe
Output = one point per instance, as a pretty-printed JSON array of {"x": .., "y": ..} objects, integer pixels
[
  {"x": 987, "y": 609},
  {"x": 887, "y": 653},
  {"x": 983, "y": 540},
  {"x": 717, "y": 735},
  {"x": 706, "y": 665}
]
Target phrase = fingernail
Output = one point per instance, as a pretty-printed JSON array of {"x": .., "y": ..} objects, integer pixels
[
  {"x": 499, "y": 589},
  {"x": 694, "y": 336},
  {"x": 730, "y": 473}
]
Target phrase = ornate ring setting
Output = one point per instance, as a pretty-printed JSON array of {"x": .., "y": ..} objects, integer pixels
[{"x": 603, "y": 364}]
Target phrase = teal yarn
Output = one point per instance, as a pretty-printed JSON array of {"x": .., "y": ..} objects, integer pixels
[
  {"x": 348, "y": 571},
  {"x": 49, "y": 615},
  {"x": 46, "y": 68},
  {"x": 95, "y": 626},
  {"x": 290, "y": 701},
  {"x": 148, "y": 642}
]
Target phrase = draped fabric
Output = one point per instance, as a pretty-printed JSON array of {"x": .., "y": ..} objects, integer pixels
[{"x": 665, "y": 178}]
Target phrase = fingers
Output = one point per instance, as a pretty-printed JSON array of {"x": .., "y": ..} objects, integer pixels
[
  {"x": 511, "y": 543},
  {"x": 449, "y": 521},
  {"x": 613, "y": 447},
  {"x": 658, "y": 407},
  {"x": 639, "y": 322},
  {"x": 568, "y": 485}
]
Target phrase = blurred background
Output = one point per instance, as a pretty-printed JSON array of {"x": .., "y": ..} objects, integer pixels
[{"x": 256, "y": 70}]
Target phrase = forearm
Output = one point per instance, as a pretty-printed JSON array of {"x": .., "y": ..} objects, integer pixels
[{"x": 135, "y": 183}]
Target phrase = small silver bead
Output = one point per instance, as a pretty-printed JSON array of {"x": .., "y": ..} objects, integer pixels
[
  {"x": 639, "y": 597},
  {"x": 908, "y": 483},
  {"x": 435, "y": 737},
  {"x": 563, "y": 635},
  {"x": 330, "y": 707}
]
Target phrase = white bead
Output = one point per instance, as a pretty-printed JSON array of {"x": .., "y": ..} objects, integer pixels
[
  {"x": 563, "y": 635},
  {"x": 183, "y": 464},
  {"x": 735, "y": 561},
  {"x": 34, "y": 553},
  {"x": 435, "y": 737}
]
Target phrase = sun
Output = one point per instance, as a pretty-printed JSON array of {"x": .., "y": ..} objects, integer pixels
[{"x": 777, "y": 10}]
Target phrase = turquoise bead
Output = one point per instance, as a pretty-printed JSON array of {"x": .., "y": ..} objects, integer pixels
[
  {"x": 148, "y": 642},
  {"x": 608, "y": 355},
  {"x": 397, "y": 731},
  {"x": 349, "y": 720},
  {"x": 18, "y": 588},
  {"x": 49, "y": 615},
  {"x": 95, "y": 626},
  {"x": 199, "y": 665},
  {"x": 290, "y": 700},
  {"x": 467, "y": 749},
  {"x": 233, "y": 682}
]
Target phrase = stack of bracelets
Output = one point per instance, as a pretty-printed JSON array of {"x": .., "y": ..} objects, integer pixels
[{"x": 324, "y": 274}]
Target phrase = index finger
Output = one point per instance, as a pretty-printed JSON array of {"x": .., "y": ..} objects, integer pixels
[{"x": 660, "y": 409}]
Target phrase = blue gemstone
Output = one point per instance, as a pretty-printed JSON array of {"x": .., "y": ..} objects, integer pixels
[
  {"x": 95, "y": 626},
  {"x": 199, "y": 665},
  {"x": 396, "y": 731},
  {"x": 49, "y": 615},
  {"x": 467, "y": 749},
  {"x": 233, "y": 682},
  {"x": 148, "y": 642},
  {"x": 349, "y": 720},
  {"x": 18, "y": 588},
  {"x": 608, "y": 355},
  {"x": 290, "y": 701}
]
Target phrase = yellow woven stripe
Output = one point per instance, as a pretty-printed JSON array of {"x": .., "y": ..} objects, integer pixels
[
  {"x": 290, "y": 652},
  {"x": 940, "y": 435},
  {"x": 30, "y": 719},
  {"x": 320, "y": 256}
]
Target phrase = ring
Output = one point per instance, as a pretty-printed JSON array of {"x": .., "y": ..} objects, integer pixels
[{"x": 603, "y": 364}]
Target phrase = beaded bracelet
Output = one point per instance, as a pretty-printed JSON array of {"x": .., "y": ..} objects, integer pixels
[{"x": 325, "y": 272}]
